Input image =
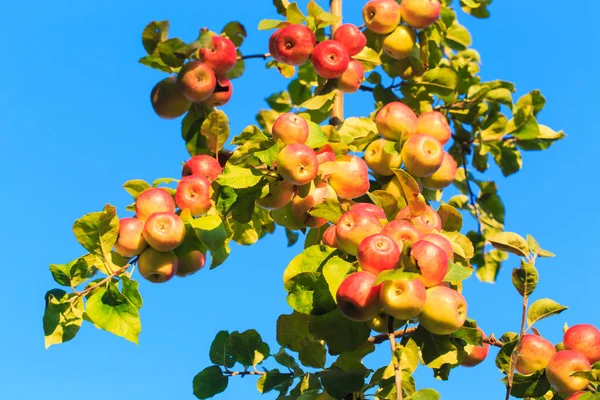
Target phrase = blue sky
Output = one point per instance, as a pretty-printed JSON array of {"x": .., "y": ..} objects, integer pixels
[{"x": 76, "y": 123}]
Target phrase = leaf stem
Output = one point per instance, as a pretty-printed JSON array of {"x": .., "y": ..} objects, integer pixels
[
  {"x": 102, "y": 282},
  {"x": 397, "y": 372}
]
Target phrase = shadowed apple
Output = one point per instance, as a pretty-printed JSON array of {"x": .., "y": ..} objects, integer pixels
[
  {"x": 403, "y": 299},
  {"x": 293, "y": 44},
  {"x": 329, "y": 237},
  {"x": 441, "y": 242},
  {"x": 357, "y": 298},
  {"x": 290, "y": 128},
  {"x": 381, "y": 16},
  {"x": 400, "y": 43},
  {"x": 475, "y": 354},
  {"x": 428, "y": 222},
  {"x": 379, "y": 323},
  {"x": 352, "y": 77},
  {"x": 325, "y": 154},
  {"x": 167, "y": 100},
  {"x": 535, "y": 354},
  {"x": 445, "y": 311},
  {"x": 395, "y": 121},
  {"x": 164, "y": 231},
  {"x": 434, "y": 123},
  {"x": 330, "y": 59},
  {"x": 221, "y": 57},
  {"x": 353, "y": 227},
  {"x": 379, "y": 160},
  {"x": 351, "y": 38},
  {"x": 378, "y": 253},
  {"x": 157, "y": 267},
  {"x": 585, "y": 339},
  {"x": 302, "y": 205},
  {"x": 222, "y": 94},
  {"x": 280, "y": 194},
  {"x": 351, "y": 179},
  {"x": 130, "y": 242},
  {"x": 197, "y": 81},
  {"x": 431, "y": 260},
  {"x": 444, "y": 176},
  {"x": 190, "y": 263},
  {"x": 193, "y": 193},
  {"x": 560, "y": 368},
  {"x": 576, "y": 396},
  {"x": 202, "y": 165},
  {"x": 297, "y": 164},
  {"x": 152, "y": 201},
  {"x": 420, "y": 13},
  {"x": 422, "y": 155}
]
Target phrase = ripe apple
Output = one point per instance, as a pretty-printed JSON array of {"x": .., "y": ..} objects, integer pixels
[
  {"x": 405, "y": 213},
  {"x": 422, "y": 155},
  {"x": 151, "y": 201},
  {"x": 434, "y": 123},
  {"x": 379, "y": 160},
  {"x": 441, "y": 242},
  {"x": 273, "y": 44},
  {"x": 222, "y": 94},
  {"x": 290, "y": 128},
  {"x": 403, "y": 299},
  {"x": 280, "y": 194},
  {"x": 297, "y": 164},
  {"x": 431, "y": 260},
  {"x": 585, "y": 339},
  {"x": 293, "y": 44},
  {"x": 357, "y": 298},
  {"x": 420, "y": 13},
  {"x": 352, "y": 77},
  {"x": 560, "y": 368},
  {"x": 351, "y": 179},
  {"x": 193, "y": 193},
  {"x": 428, "y": 222},
  {"x": 444, "y": 176},
  {"x": 381, "y": 16},
  {"x": 302, "y": 205},
  {"x": 130, "y": 242},
  {"x": 368, "y": 207},
  {"x": 157, "y": 267},
  {"x": 535, "y": 354},
  {"x": 401, "y": 231},
  {"x": 351, "y": 38},
  {"x": 325, "y": 154},
  {"x": 329, "y": 237},
  {"x": 353, "y": 227},
  {"x": 190, "y": 263},
  {"x": 395, "y": 121},
  {"x": 576, "y": 396},
  {"x": 445, "y": 311},
  {"x": 475, "y": 354},
  {"x": 330, "y": 59},
  {"x": 378, "y": 253},
  {"x": 221, "y": 57},
  {"x": 167, "y": 100},
  {"x": 164, "y": 231},
  {"x": 379, "y": 323},
  {"x": 197, "y": 81},
  {"x": 400, "y": 43},
  {"x": 394, "y": 187},
  {"x": 202, "y": 165}
]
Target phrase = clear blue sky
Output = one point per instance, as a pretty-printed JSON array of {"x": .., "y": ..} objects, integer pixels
[{"x": 76, "y": 123}]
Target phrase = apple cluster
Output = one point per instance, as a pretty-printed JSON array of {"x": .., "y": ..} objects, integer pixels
[
  {"x": 157, "y": 232},
  {"x": 199, "y": 81}
]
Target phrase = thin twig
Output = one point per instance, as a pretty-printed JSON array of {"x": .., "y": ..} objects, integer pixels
[
  {"x": 382, "y": 337},
  {"x": 397, "y": 372},
  {"x": 249, "y": 56},
  {"x": 102, "y": 282}
]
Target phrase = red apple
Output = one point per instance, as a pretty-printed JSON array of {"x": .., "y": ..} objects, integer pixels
[
  {"x": 395, "y": 121},
  {"x": 371, "y": 208},
  {"x": 441, "y": 242},
  {"x": 428, "y": 222},
  {"x": 197, "y": 81},
  {"x": 445, "y": 311},
  {"x": 584, "y": 339},
  {"x": 157, "y": 267},
  {"x": 280, "y": 194},
  {"x": 475, "y": 354},
  {"x": 353, "y": 227},
  {"x": 381, "y": 16},
  {"x": 431, "y": 260},
  {"x": 357, "y": 298},
  {"x": 130, "y": 242},
  {"x": 576, "y": 396},
  {"x": 535, "y": 354},
  {"x": 325, "y": 154},
  {"x": 297, "y": 164},
  {"x": 167, "y": 100},
  {"x": 293, "y": 44},
  {"x": 379, "y": 160},
  {"x": 290, "y": 128},
  {"x": 560, "y": 368},
  {"x": 351, "y": 38},
  {"x": 405, "y": 213},
  {"x": 329, "y": 237},
  {"x": 273, "y": 44},
  {"x": 403, "y": 299},
  {"x": 378, "y": 253},
  {"x": 151, "y": 201},
  {"x": 401, "y": 231},
  {"x": 400, "y": 43},
  {"x": 330, "y": 59},
  {"x": 422, "y": 155},
  {"x": 202, "y": 165},
  {"x": 222, "y": 93},
  {"x": 434, "y": 123},
  {"x": 352, "y": 77},
  {"x": 301, "y": 206},
  {"x": 193, "y": 193},
  {"x": 190, "y": 263},
  {"x": 351, "y": 179},
  {"x": 164, "y": 231},
  {"x": 221, "y": 57},
  {"x": 420, "y": 13},
  {"x": 444, "y": 176}
]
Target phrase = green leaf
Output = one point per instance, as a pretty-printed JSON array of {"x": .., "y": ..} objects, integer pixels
[
  {"x": 73, "y": 273},
  {"x": 525, "y": 279},
  {"x": 451, "y": 218},
  {"x": 251, "y": 133},
  {"x": 387, "y": 202},
  {"x": 268, "y": 24},
  {"x": 527, "y": 386},
  {"x": 543, "y": 308},
  {"x": 409, "y": 357},
  {"x": 313, "y": 355},
  {"x": 506, "y": 156},
  {"x": 457, "y": 272},
  {"x": 425, "y": 394},
  {"x": 236, "y": 32},
  {"x": 309, "y": 294},
  {"x": 442, "y": 81},
  {"x": 458, "y": 37},
  {"x": 211, "y": 231},
  {"x": 314, "y": 236},
  {"x": 316, "y": 137},
  {"x": 292, "y": 237},
  {"x": 280, "y": 102},
  {"x": 294, "y": 15},
  {"x": 62, "y": 317},
  {"x": 329, "y": 210},
  {"x": 268, "y": 156},
  {"x": 369, "y": 58},
  {"x": 435, "y": 350},
  {"x": 394, "y": 275},
  {"x": 339, "y": 383},
  {"x": 488, "y": 271},
  {"x": 503, "y": 359},
  {"x": 501, "y": 96},
  {"x": 470, "y": 335},
  {"x": 97, "y": 232},
  {"x": 154, "y": 33},
  {"x": 511, "y": 243},
  {"x": 546, "y": 137},
  {"x": 164, "y": 181},
  {"x": 174, "y": 52},
  {"x": 136, "y": 186},
  {"x": 130, "y": 289},
  {"x": 412, "y": 194},
  {"x": 210, "y": 382},
  {"x": 328, "y": 327},
  {"x": 310, "y": 260},
  {"x": 216, "y": 126},
  {"x": 154, "y": 61},
  {"x": 322, "y": 102},
  {"x": 352, "y": 360},
  {"x": 281, "y": 6},
  {"x": 283, "y": 358},
  {"x": 238, "y": 69},
  {"x": 293, "y": 332},
  {"x": 239, "y": 177},
  {"x": 114, "y": 312},
  {"x": 247, "y": 347},
  {"x": 272, "y": 380},
  {"x": 219, "y": 350},
  {"x": 354, "y": 128},
  {"x": 335, "y": 271}
]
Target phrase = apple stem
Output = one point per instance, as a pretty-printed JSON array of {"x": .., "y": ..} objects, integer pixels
[
  {"x": 397, "y": 372},
  {"x": 337, "y": 112}
]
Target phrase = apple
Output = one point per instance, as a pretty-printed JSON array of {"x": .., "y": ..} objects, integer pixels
[
  {"x": 434, "y": 123},
  {"x": 441, "y": 242},
  {"x": 405, "y": 213},
  {"x": 329, "y": 237},
  {"x": 585, "y": 339},
  {"x": 273, "y": 44},
  {"x": 576, "y": 396},
  {"x": 293, "y": 44},
  {"x": 221, "y": 57},
  {"x": 297, "y": 164},
  {"x": 535, "y": 354},
  {"x": 156, "y": 266},
  {"x": 381, "y": 16},
  {"x": 330, "y": 59},
  {"x": 445, "y": 311},
  {"x": 202, "y": 165},
  {"x": 357, "y": 298},
  {"x": 403, "y": 299},
  {"x": 193, "y": 193},
  {"x": 444, "y": 176},
  {"x": 431, "y": 260},
  {"x": 130, "y": 242},
  {"x": 197, "y": 81},
  {"x": 280, "y": 194},
  {"x": 352, "y": 77},
  {"x": 351, "y": 179},
  {"x": 222, "y": 94},
  {"x": 394, "y": 187},
  {"x": 560, "y": 368},
  {"x": 368, "y": 207},
  {"x": 420, "y": 13},
  {"x": 190, "y": 263},
  {"x": 351, "y": 38},
  {"x": 164, "y": 231},
  {"x": 379, "y": 323},
  {"x": 378, "y": 253},
  {"x": 400, "y": 43},
  {"x": 396, "y": 121},
  {"x": 401, "y": 231},
  {"x": 428, "y": 222},
  {"x": 151, "y": 201},
  {"x": 353, "y": 227},
  {"x": 290, "y": 128},
  {"x": 379, "y": 160},
  {"x": 475, "y": 354},
  {"x": 302, "y": 205},
  {"x": 167, "y": 100},
  {"x": 325, "y": 154},
  {"x": 422, "y": 155}
]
